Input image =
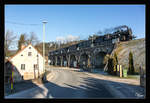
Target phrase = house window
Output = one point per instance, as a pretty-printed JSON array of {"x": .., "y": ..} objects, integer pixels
[
  {"x": 35, "y": 66},
  {"x": 22, "y": 66},
  {"x": 29, "y": 47},
  {"x": 29, "y": 53}
]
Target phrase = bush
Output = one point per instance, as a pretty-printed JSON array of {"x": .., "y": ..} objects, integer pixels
[
  {"x": 112, "y": 63},
  {"x": 110, "y": 66}
]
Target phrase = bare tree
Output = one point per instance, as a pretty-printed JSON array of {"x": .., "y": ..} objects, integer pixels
[
  {"x": 9, "y": 39},
  {"x": 32, "y": 39}
]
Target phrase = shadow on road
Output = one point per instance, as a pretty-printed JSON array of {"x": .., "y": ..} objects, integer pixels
[
  {"x": 18, "y": 86},
  {"x": 89, "y": 88},
  {"x": 129, "y": 90}
]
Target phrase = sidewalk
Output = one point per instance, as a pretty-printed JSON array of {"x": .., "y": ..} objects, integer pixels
[
  {"x": 24, "y": 85},
  {"x": 18, "y": 87}
]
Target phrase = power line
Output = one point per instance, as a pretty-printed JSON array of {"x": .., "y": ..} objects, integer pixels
[{"x": 11, "y": 22}]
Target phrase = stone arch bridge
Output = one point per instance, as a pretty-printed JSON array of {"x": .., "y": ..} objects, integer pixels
[
  {"x": 89, "y": 53},
  {"x": 81, "y": 57}
]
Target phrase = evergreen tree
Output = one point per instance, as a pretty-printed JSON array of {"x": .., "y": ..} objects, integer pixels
[
  {"x": 110, "y": 65},
  {"x": 116, "y": 58},
  {"x": 21, "y": 41},
  {"x": 115, "y": 61},
  {"x": 131, "y": 64}
]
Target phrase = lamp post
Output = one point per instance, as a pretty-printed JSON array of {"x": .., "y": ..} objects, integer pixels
[
  {"x": 44, "y": 22},
  {"x": 50, "y": 45}
]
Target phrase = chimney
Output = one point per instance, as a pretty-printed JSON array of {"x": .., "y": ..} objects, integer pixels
[{"x": 22, "y": 46}]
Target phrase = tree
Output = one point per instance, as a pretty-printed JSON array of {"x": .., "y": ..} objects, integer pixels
[
  {"x": 115, "y": 60},
  {"x": 22, "y": 41},
  {"x": 131, "y": 64},
  {"x": 32, "y": 39},
  {"x": 9, "y": 39},
  {"x": 112, "y": 63},
  {"x": 106, "y": 58},
  {"x": 110, "y": 66}
]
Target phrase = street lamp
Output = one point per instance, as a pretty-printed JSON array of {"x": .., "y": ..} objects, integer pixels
[{"x": 44, "y": 22}]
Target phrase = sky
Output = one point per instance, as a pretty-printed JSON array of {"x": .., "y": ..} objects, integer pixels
[{"x": 72, "y": 21}]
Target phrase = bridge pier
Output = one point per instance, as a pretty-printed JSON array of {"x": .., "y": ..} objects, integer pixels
[
  {"x": 61, "y": 58},
  {"x": 77, "y": 59},
  {"x": 68, "y": 59},
  {"x": 55, "y": 60}
]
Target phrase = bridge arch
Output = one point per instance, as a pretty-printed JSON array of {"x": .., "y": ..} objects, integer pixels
[
  {"x": 73, "y": 61},
  {"x": 52, "y": 60},
  {"x": 64, "y": 60},
  {"x": 58, "y": 61},
  {"x": 83, "y": 62},
  {"x": 99, "y": 59}
]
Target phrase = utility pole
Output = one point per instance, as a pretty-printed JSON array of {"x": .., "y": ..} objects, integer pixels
[{"x": 44, "y": 22}]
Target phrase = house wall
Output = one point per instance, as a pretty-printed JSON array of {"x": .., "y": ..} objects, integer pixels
[{"x": 29, "y": 62}]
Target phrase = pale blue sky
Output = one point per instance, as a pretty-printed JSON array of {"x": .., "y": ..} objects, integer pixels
[{"x": 76, "y": 20}]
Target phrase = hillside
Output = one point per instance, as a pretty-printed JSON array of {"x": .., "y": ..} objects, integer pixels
[{"x": 137, "y": 47}]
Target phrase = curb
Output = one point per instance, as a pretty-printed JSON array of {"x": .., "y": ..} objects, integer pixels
[{"x": 50, "y": 76}]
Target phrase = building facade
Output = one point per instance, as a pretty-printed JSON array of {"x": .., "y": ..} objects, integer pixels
[{"x": 26, "y": 64}]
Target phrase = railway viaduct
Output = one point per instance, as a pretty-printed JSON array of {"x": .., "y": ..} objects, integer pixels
[{"x": 89, "y": 53}]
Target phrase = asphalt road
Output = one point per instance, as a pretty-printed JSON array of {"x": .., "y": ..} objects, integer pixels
[{"x": 67, "y": 84}]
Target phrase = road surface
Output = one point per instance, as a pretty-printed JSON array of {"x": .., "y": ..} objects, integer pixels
[{"x": 67, "y": 83}]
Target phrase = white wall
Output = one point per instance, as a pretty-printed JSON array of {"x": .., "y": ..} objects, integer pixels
[{"x": 29, "y": 61}]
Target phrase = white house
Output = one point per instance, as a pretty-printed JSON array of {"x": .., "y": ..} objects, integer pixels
[{"x": 27, "y": 63}]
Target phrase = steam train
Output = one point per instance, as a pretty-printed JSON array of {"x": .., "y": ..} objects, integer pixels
[{"x": 121, "y": 33}]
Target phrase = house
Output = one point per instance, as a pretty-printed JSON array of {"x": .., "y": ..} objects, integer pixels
[{"x": 26, "y": 64}]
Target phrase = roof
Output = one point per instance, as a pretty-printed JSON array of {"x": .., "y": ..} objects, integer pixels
[{"x": 23, "y": 49}]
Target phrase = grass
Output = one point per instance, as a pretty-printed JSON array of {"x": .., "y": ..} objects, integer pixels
[{"x": 128, "y": 76}]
